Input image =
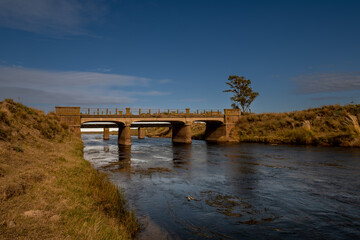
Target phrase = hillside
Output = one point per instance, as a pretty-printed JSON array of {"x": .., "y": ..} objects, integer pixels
[
  {"x": 333, "y": 125},
  {"x": 47, "y": 189}
]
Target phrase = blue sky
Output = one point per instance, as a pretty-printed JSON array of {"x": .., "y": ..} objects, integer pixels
[{"x": 178, "y": 54}]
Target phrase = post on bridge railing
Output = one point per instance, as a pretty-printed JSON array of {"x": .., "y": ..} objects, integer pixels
[
  {"x": 88, "y": 111},
  {"x": 102, "y": 112},
  {"x": 168, "y": 111},
  {"x": 128, "y": 111},
  {"x": 107, "y": 111},
  {"x": 139, "y": 111},
  {"x": 187, "y": 111},
  {"x": 116, "y": 111},
  {"x": 149, "y": 111},
  {"x": 97, "y": 111},
  {"x": 197, "y": 112},
  {"x": 177, "y": 111}
]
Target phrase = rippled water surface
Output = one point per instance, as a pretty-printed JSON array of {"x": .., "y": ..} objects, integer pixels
[{"x": 234, "y": 191}]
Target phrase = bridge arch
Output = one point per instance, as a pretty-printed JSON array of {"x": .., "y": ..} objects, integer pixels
[{"x": 106, "y": 125}]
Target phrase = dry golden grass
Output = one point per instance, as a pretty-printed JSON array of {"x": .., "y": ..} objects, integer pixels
[
  {"x": 47, "y": 189},
  {"x": 333, "y": 125},
  {"x": 197, "y": 131},
  {"x": 158, "y": 132}
]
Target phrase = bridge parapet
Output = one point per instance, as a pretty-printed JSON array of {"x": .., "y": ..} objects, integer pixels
[{"x": 139, "y": 112}]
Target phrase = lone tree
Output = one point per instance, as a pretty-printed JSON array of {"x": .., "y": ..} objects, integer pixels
[{"x": 243, "y": 93}]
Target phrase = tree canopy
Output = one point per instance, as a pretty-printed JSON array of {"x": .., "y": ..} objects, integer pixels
[{"x": 243, "y": 93}]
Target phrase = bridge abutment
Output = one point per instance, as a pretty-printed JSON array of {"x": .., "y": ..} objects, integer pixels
[
  {"x": 71, "y": 117},
  {"x": 231, "y": 117},
  {"x": 124, "y": 137},
  {"x": 181, "y": 133},
  {"x": 220, "y": 132}
]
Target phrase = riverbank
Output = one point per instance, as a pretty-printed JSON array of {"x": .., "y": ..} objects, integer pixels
[
  {"x": 332, "y": 125},
  {"x": 47, "y": 189},
  {"x": 197, "y": 132}
]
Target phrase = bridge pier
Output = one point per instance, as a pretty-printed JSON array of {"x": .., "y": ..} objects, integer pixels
[
  {"x": 181, "y": 133},
  {"x": 106, "y": 133},
  {"x": 124, "y": 137},
  {"x": 141, "y": 133}
]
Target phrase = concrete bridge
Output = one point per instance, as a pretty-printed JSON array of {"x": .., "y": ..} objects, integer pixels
[{"x": 218, "y": 124}]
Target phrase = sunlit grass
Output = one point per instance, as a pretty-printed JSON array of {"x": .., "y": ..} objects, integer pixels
[
  {"x": 47, "y": 189},
  {"x": 333, "y": 125}
]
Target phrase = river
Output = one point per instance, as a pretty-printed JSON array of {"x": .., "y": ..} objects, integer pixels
[{"x": 234, "y": 191}]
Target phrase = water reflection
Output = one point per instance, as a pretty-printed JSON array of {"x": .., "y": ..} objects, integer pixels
[
  {"x": 241, "y": 171},
  {"x": 124, "y": 153},
  {"x": 246, "y": 191},
  {"x": 181, "y": 154}
]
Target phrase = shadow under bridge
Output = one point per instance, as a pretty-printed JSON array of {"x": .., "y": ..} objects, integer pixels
[{"x": 180, "y": 131}]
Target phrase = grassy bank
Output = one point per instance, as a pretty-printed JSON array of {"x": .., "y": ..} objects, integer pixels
[
  {"x": 47, "y": 189},
  {"x": 329, "y": 125}
]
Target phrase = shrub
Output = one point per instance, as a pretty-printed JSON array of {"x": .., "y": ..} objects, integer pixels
[
  {"x": 300, "y": 136},
  {"x": 9, "y": 100},
  {"x": 4, "y": 118},
  {"x": 4, "y": 133},
  {"x": 18, "y": 148}
]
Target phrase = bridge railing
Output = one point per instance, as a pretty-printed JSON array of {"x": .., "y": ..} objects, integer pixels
[{"x": 146, "y": 112}]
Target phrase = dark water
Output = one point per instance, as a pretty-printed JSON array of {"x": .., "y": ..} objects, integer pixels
[{"x": 239, "y": 191}]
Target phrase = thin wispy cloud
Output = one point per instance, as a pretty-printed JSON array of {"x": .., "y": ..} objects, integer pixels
[
  {"x": 34, "y": 86},
  {"x": 35, "y": 96},
  {"x": 105, "y": 70},
  {"x": 328, "y": 82},
  {"x": 327, "y": 98},
  {"x": 50, "y": 16},
  {"x": 149, "y": 93},
  {"x": 193, "y": 100},
  {"x": 164, "y": 81},
  {"x": 27, "y": 77}
]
